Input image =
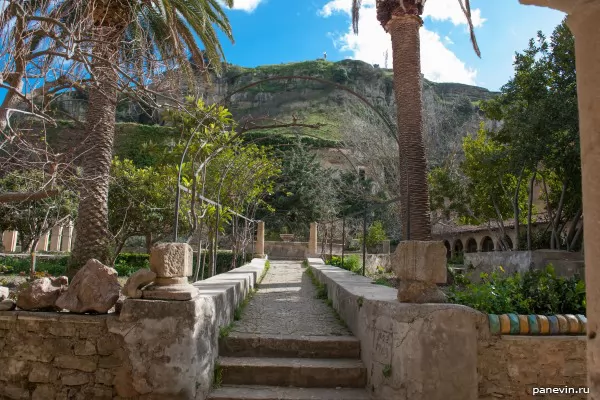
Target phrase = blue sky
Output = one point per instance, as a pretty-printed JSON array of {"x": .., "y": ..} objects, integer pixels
[{"x": 280, "y": 31}]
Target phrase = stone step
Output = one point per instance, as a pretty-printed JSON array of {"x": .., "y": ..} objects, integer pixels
[
  {"x": 297, "y": 372},
  {"x": 278, "y": 346},
  {"x": 286, "y": 393}
]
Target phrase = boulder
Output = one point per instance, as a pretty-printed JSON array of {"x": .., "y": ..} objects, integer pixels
[
  {"x": 3, "y": 293},
  {"x": 137, "y": 281},
  {"x": 41, "y": 294},
  {"x": 94, "y": 288},
  {"x": 7, "y": 305}
]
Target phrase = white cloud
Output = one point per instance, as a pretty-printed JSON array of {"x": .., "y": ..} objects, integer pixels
[
  {"x": 245, "y": 5},
  {"x": 448, "y": 40},
  {"x": 339, "y": 5},
  {"x": 449, "y": 10},
  {"x": 438, "y": 63}
]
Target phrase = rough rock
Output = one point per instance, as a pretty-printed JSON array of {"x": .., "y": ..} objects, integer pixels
[
  {"x": 137, "y": 281},
  {"x": 7, "y": 305},
  {"x": 95, "y": 288},
  {"x": 41, "y": 294},
  {"x": 171, "y": 260},
  {"x": 3, "y": 293},
  {"x": 420, "y": 292}
]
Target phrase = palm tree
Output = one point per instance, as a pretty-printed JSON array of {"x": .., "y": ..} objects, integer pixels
[
  {"x": 402, "y": 20},
  {"x": 129, "y": 32}
]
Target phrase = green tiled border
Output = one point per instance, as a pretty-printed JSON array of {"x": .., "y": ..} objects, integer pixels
[{"x": 513, "y": 324}]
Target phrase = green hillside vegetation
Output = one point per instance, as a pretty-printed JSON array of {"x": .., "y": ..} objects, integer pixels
[{"x": 310, "y": 102}]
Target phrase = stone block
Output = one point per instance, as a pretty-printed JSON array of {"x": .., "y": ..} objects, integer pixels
[
  {"x": 170, "y": 293},
  {"x": 86, "y": 364},
  {"x": 419, "y": 292},
  {"x": 420, "y": 261},
  {"x": 42, "y": 373},
  {"x": 101, "y": 393},
  {"x": 13, "y": 370},
  {"x": 171, "y": 260},
  {"x": 7, "y": 305},
  {"x": 108, "y": 344},
  {"x": 110, "y": 361},
  {"x": 137, "y": 281},
  {"x": 75, "y": 379},
  {"x": 43, "y": 392},
  {"x": 84, "y": 348},
  {"x": 104, "y": 376},
  {"x": 16, "y": 392}
]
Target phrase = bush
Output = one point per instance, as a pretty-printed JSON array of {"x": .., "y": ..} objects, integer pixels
[
  {"x": 125, "y": 264},
  {"x": 351, "y": 263},
  {"x": 15, "y": 265},
  {"x": 375, "y": 234},
  {"x": 533, "y": 292}
]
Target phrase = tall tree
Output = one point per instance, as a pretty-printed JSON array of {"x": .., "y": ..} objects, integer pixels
[
  {"x": 402, "y": 20},
  {"x": 540, "y": 127},
  {"x": 122, "y": 32}
]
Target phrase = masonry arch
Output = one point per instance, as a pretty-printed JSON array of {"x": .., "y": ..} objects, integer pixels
[
  {"x": 458, "y": 247},
  {"x": 471, "y": 245},
  {"x": 487, "y": 244}
]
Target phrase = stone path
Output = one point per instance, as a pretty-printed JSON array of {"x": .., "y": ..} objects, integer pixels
[{"x": 286, "y": 304}]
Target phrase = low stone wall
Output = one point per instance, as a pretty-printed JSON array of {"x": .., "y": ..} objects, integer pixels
[
  {"x": 565, "y": 263},
  {"x": 152, "y": 350},
  {"x": 446, "y": 351},
  {"x": 510, "y": 367},
  {"x": 286, "y": 250},
  {"x": 50, "y": 355},
  {"x": 424, "y": 351}
]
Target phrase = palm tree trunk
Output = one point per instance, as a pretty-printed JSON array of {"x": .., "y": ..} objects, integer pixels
[
  {"x": 404, "y": 31},
  {"x": 93, "y": 237}
]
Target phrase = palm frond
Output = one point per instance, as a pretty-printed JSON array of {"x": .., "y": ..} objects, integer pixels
[{"x": 466, "y": 8}]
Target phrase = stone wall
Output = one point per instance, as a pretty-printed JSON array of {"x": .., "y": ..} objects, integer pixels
[
  {"x": 565, "y": 263},
  {"x": 60, "y": 356},
  {"x": 446, "y": 351},
  {"x": 509, "y": 367},
  {"x": 411, "y": 351},
  {"x": 286, "y": 250},
  {"x": 152, "y": 350}
]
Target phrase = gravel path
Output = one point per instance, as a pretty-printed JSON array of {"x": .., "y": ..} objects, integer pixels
[{"x": 286, "y": 304}]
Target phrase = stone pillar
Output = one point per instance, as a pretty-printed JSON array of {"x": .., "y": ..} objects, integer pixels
[
  {"x": 312, "y": 240},
  {"x": 9, "y": 241},
  {"x": 43, "y": 242},
  {"x": 55, "y": 238},
  {"x": 67, "y": 236},
  {"x": 586, "y": 29},
  {"x": 172, "y": 263},
  {"x": 260, "y": 240},
  {"x": 583, "y": 21},
  {"x": 420, "y": 266}
]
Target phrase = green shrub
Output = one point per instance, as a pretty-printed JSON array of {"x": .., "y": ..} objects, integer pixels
[
  {"x": 533, "y": 292},
  {"x": 125, "y": 264},
  {"x": 375, "y": 234},
  {"x": 15, "y": 265},
  {"x": 351, "y": 263}
]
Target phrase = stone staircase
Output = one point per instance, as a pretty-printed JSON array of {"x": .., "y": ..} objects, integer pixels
[{"x": 262, "y": 367}]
